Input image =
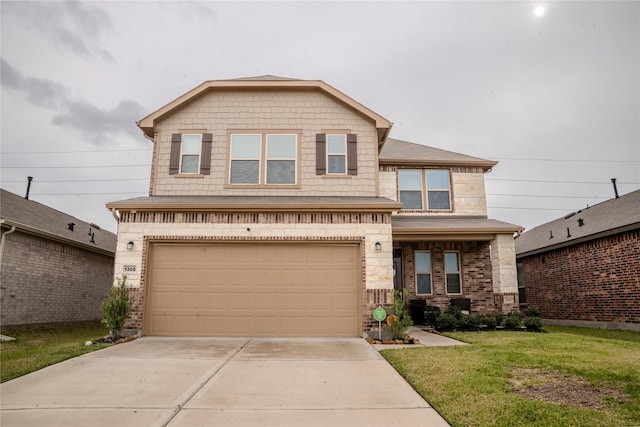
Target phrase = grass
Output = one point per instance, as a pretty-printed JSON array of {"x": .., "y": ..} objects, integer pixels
[
  {"x": 470, "y": 385},
  {"x": 37, "y": 348}
]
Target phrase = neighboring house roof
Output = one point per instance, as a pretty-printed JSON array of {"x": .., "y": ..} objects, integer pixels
[
  {"x": 257, "y": 204},
  {"x": 34, "y": 218},
  {"x": 449, "y": 228},
  {"x": 148, "y": 123},
  {"x": 604, "y": 219},
  {"x": 397, "y": 152}
]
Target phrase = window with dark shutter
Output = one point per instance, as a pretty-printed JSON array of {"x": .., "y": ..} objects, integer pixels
[
  {"x": 321, "y": 154},
  {"x": 174, "y": 160},
  {"x": 352, "y": 154},
  {"x": 205, "y": 161}
]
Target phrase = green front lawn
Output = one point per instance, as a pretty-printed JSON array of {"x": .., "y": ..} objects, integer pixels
[
  {"x": 565, "y": 377},
  {"x": 37, "y": 348}
]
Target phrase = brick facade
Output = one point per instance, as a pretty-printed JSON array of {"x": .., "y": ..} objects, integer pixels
[
  {"x": 595, "y": 281},
  {"x": 44, "y": 281},
  {"x": 477, "y": 284}
]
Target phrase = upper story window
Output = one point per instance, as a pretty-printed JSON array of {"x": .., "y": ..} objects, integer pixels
[
  {"x": 336, "y": 154},
  {"x": 263, "y": 158},
  {"x": 425, "y": 189},
  {"x": 190, "y": 153}
]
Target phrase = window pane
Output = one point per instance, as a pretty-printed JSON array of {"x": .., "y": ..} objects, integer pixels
[
  {"x": 438, "y": 200},
  {"x": 437, "y": 179},
  {"x": 424, "y": 283},
  {"x": 245, "y": 146},
  {"x": 244, "y": 171},
  {"x": 423, "y": 261},
  {"x": 281, "y": 146},
  {"x": 336, "y": 144},
  {"x": 189, "y": 164},
  {"x": 453, "y": 283},
  {"x": 336, "y": 164},
  {"x": 451, "y": 262},
  {"x": 411, "y": 199},
  {"x": 409, "y": 179},
  {"x": 281, "y": 172},
  {"x": 191, "y": 144}
]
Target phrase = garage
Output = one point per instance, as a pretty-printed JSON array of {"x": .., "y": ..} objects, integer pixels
[{"x": 272, "y": 289}]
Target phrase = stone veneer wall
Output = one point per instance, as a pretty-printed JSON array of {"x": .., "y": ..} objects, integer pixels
[
  {"x": 44, "y": 281},
  {"x": 595, "y": 281},
  {"x": 367, "y": 228},
  {"x": 475, "y": 261}
]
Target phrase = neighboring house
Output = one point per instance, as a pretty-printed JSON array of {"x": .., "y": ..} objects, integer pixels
[
  {"x": 280, "y": 207},
  {"x": 584, "y": 269},
  {"x": 54, "y": 267}
]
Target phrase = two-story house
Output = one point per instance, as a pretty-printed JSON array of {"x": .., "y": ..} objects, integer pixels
[{"x": 280, "y": 207}]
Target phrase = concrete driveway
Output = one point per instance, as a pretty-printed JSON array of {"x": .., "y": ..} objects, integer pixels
[{"x": 157, "y": 381}]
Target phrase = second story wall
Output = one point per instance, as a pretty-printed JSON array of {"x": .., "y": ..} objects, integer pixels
[{"x": 299, "y": 114}]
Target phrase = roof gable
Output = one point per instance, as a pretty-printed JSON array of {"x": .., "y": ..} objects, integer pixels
[
  {"x": 606, "y": 218},
  {"x": 397, "y": 152},
  {"x": 35, "y": 218},
  {"x": 267, "y": 82}
]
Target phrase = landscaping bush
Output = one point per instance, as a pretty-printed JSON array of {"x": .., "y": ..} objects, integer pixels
[
  {"x": 489, "y": 321},
  {"x": 533, "y": 311},
  {"x": 468, "y": 323},
  {"x": 398, "y": 323},
  {"x": 115, "y": 309},
  {"x": 431, "y": 314},
  {"x": 512, "y": 321},
  {"x": 447, "y": 322},
  {"x": 533, "y": 323},
  {"x": 499, "y": 320},
  {"x": 455, "y": 311}
]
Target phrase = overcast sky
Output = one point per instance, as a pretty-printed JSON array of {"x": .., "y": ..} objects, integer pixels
[{"x": 549, "y": 89}]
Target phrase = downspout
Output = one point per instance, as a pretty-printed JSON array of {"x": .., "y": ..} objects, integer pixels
[{"x": 2, "y": 239}]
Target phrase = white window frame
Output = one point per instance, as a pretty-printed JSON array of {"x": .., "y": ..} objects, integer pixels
[
  {"x": 294, "y": 158},
  {"x": 430, "y": 272},
  {"x": 424, "y": 190},
  {"x": 263, "y": 159},
  {"x": 447, "y": 272},
  {"x": 197, "y": 153},
  {"x": 343, "y": 154}
]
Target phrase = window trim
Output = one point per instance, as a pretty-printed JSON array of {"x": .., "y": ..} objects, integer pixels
[
  {"x": 458, "y": 272},
  {"x": 416, "y": 272},
  {"x": 424, "y": 190},
  {"x": 262, "y": 161}
]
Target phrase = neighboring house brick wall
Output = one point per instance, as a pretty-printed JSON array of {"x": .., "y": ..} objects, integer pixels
[
  {"x": 597, "y": 281},
  {"x": 475, "y": 260},
  {"x": 44, "y": 281},
  {"x": 308, "y": 112}
]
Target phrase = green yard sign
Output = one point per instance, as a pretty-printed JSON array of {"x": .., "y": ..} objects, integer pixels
[{"x": 379, "y": 314}]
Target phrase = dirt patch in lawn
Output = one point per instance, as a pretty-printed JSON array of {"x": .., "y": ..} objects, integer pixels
[{"x": 554, "y": 387}]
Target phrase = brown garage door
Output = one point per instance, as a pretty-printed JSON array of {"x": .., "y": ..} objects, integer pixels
[{"x": 253, "y": 289}]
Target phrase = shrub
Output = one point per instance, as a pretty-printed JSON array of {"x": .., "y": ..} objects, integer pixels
[
  {"x": 400, "y": 320},
  {"x": 499, "y": 319},
  {"x": 116, "y": 308},
  {"x": 533, "y": 311},
  {"x": 455, "y": 311},
  {"x": 431, "y": 314},
  {"x": 489, "y": 321},
  {"x": 469, "y": 323},
  {"x": 512, "y": 321},
  {"x": 533, "y": 323},
  {"x": 447, "y": 322}
]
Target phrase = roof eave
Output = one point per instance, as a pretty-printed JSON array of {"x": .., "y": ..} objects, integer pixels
[
  {"x": 486, "y": 165},
  {"x": 244, "y": 207}
]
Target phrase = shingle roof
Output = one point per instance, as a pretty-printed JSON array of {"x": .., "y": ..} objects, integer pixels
[
  {"x": 35, "y": 218},
  {"x": 442, "y": 226},
  {"x": 396, "y": 151},
  {"x": 606, "y": 218},
  {"x": 256, "y": 203}
]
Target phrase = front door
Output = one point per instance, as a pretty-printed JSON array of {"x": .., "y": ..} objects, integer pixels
[{"x": 398, "y": 283}]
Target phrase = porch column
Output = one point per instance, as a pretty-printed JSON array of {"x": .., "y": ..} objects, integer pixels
[{"x": 505, "y": 277}]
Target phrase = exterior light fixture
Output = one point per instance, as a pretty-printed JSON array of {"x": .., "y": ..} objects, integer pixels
[
  {"x": 378, "y": 246},
  {"x": 129, "y": 246}
]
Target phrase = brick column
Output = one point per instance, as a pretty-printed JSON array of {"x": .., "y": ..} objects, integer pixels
[{"x": 505, "y": 277}]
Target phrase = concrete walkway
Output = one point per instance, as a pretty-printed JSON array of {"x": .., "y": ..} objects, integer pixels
[
  {"x": 427, "y": 339},
  {"x": 156, "y": 381}
]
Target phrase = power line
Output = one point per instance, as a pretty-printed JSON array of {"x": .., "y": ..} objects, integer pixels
[
  {"x": 75, "y": 151},
  {"x": 561, "y": 182},
  {"x": 88, "y": 194},
  {"x": 75, "y": 167},
  {"x": 564, "y": 160},
  {"x": 530, "y": 209},
  {"x": 86, "y": 180},
  {"x": 555, "y": 197}
]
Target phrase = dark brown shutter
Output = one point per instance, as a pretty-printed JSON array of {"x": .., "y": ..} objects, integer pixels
[
  {"x": 352, "y": 154},
  {"x": 174, "y": 160},
  {"x": 321, "y": 154},
  {"x": 205, "y": 155}
]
